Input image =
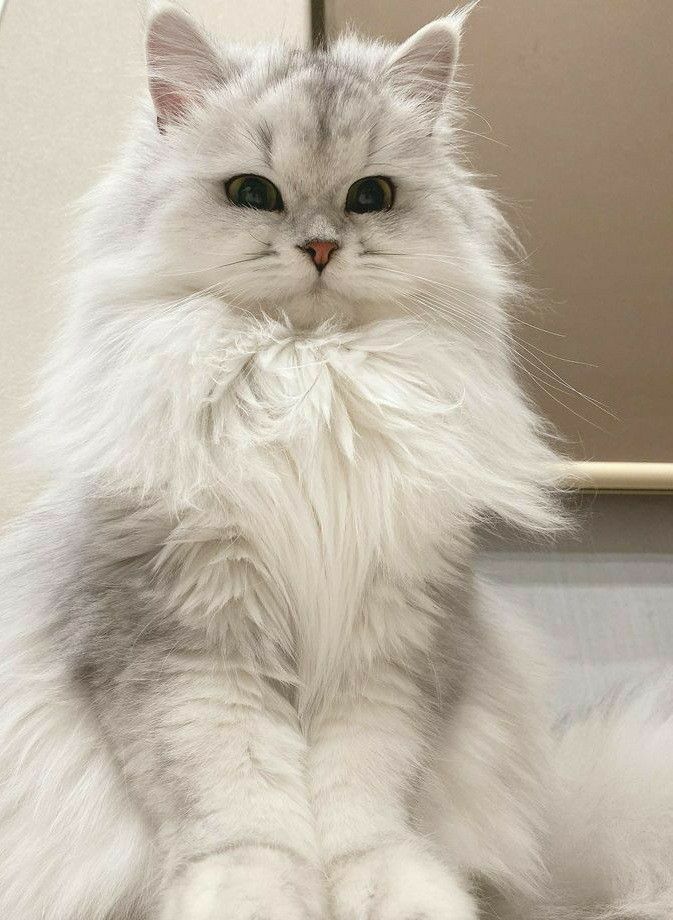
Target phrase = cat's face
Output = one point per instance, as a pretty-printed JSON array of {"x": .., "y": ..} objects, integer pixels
[{"x": 309, "y": 185}]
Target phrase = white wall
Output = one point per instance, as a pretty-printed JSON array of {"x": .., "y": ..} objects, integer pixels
[
  {"x": 603, "y": 596},
  {"x": 69, "y": 74}
]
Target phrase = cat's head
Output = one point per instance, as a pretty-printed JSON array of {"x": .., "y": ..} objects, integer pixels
[{"x": 307, "y": 184}]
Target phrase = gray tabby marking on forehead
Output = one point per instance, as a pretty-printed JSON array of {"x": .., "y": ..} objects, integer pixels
[
  {"x": 329, "y": 87},
  {"x": 332, "y": 92},
  {"x": 266, "y": 143}
]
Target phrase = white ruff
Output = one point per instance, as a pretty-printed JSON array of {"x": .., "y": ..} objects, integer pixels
[
  {"x": 311, "y": 463},
  {"x": 333, "y": 455}
]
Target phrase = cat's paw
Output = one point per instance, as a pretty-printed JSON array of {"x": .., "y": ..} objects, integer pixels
[
  {"x": 246, "y": 883},
  {"x": 398, "y": 883}
]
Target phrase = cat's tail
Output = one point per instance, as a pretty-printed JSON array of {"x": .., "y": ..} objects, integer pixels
[{"x": 610, "y": 847}]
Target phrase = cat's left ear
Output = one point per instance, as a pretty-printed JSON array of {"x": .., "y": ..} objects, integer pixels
[
  {"x": 424, "y": 66},
  {"x": 182, "y": 64}
]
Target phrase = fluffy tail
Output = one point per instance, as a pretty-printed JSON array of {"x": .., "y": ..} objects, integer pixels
[{"x": 610, "y": 847}]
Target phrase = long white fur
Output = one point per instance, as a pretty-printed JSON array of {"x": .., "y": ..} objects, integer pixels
[{"x": 340, "y": 447}]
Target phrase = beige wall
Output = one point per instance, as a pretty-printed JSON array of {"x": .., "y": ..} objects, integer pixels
[
  {"x": 69, "y": 73},
  {"x": 576, "y": 129}
]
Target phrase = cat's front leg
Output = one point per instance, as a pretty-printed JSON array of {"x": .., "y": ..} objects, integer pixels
[
  {"x": 216, "y": 753},
  {"x": 365, "y": 754}
]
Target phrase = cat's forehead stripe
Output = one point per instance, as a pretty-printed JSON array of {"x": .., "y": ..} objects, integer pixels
[
  {"x": 266, "y": 142},
  {"x": 334, "y": 93},
  {"x": 340, "y": 107}
]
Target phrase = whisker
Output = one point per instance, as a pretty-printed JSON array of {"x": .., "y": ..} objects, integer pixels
[
  {"x": 461, "y": 309},
  {"x": 250, "y": 257}
]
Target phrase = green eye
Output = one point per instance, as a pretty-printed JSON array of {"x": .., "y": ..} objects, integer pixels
[
  {"x": 253, "y": 192},
  {"x": 374, "y": 193}
]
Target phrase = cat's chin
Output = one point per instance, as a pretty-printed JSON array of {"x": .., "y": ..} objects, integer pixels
[{"x": 313, "y": 309}]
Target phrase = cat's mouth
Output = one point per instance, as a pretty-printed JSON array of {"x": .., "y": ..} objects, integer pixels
[
  {"x": 323, "y": 285},
  {"x": 319, "y": 284}
]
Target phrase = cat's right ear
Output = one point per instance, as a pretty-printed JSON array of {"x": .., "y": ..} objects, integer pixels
[
  {"x": 424, "y": 66},
  {"x": 182, "y": 65}
]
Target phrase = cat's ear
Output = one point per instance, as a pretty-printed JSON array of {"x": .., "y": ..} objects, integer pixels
[
  {"x": 182, "y": 65},
  {"x": 424, "y": 65}
]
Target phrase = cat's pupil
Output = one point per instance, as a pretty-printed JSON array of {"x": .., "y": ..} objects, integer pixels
[
  {"x": 250, "y": 191},
  {"x": 253, "y": 194},
  {"x": 373, "y": 193},
  {"x": 369, "y": 196}
]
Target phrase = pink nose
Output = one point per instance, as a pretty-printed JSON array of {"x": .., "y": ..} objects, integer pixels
[{"x": 320, "y": 251}]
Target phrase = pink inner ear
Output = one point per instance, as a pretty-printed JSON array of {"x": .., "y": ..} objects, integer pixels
[
  {"x": 168, "y": 102},
  {"x": 181, "y": 63}
]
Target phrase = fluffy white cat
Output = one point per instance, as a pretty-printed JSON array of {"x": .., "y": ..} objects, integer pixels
[{"x": 247, "y": 673}]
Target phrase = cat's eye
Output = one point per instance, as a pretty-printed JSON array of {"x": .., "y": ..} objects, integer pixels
[
  {"x": 253, "y": 192},
  {"x": 373, "y": 193}
]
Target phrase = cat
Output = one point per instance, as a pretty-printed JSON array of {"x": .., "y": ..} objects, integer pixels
[{"x": 247, "y": 669}]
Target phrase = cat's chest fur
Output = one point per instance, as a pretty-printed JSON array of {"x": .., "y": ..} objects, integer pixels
[
  {"x": 333, "y": 453},
  {"x": 342, "y": 443}
]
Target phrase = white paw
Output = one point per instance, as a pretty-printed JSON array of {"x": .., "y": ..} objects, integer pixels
[
  {"x": 398, "y": 883},
  {"x": 246, "y": 883}
]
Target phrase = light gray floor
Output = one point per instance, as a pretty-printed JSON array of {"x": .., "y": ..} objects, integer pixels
[{"x": 603, "y": 597}]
